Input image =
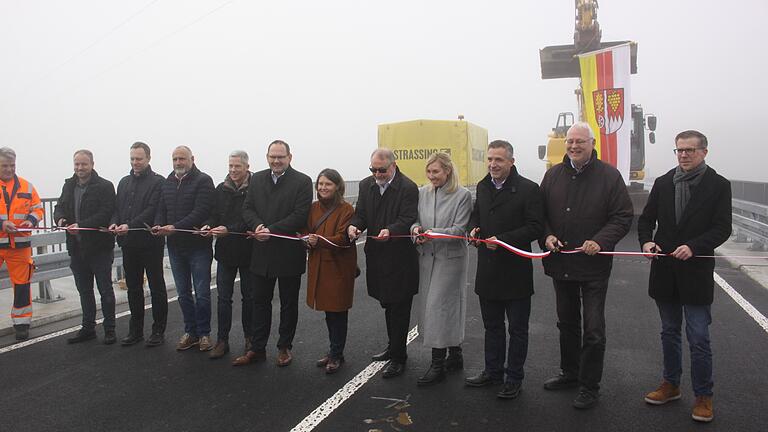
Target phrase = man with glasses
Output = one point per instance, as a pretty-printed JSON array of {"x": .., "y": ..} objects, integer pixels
[
  {"x": 690, "y": 210},
  {"x": 277, "y": 202},
  {"x": 387, "y": 206},
  {"x": 586, "y": 206}
]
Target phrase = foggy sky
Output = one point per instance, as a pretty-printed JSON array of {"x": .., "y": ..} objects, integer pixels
[{"x": 218, "y": 76}]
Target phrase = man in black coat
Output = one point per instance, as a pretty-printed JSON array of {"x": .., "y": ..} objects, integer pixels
[
  {"x": 88, "y": 201},
  {"x": 138, "y": 194},
  {"x": 690, "y": 209},
  {"x": 233, "y": 252},
  {"x": 186, "y": 199},
  {"x": 277, "y": 202},
  {"x": 586, "y": 206},
  {"x": 507, "y": 208},
  {"x": 387, "y": 205}
]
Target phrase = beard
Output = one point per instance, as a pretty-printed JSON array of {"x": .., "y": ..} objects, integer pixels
[{"x": 180, "y": 171}]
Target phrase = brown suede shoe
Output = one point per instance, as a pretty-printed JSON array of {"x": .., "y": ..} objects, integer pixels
[
  {"x": 665, "y": 393},
  {"x": 284, "y": 357},
  {"x": 249, "y": 357},
  {"x": 702, "y": 409},
  {"x": 333, "y": 365},
  {"x": 221, "y": 349},
  {"x": 186, "y": 342}
]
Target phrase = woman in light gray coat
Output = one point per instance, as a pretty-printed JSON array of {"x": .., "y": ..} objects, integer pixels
[{"x": 444, "y": 207}]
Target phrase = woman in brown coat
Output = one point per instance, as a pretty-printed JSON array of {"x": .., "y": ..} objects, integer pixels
[{"x": 331, "y": 269}]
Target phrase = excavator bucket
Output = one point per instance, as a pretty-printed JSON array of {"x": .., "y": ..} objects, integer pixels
[{"x": 560, "y": 61}]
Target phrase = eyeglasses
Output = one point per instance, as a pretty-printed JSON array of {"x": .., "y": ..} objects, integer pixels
[
  {"x": 379, "y": 170},
  {"x": 687, "y": 151}
]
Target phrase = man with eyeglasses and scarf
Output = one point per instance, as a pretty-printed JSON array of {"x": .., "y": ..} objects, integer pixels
[{"x": 689, "y": 208}]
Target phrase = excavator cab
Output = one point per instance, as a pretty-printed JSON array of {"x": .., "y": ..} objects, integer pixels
[{"x": 554, "y": 151}]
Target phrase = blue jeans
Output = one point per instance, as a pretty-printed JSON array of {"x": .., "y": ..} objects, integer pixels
[
  {"x": 225, "y": 284},
  {"x": 496, "y": 349},
  {"x": 192, "y": 267},
  {"x": 697, "y": 321}
]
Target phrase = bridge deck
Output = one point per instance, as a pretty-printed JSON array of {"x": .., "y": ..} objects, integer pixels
[{"x": 50, "y": 385}]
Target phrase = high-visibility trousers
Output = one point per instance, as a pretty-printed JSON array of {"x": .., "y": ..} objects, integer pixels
[{"x": 20, "y": 266}]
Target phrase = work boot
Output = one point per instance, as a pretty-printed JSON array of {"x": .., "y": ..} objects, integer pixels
[
  {"x": 186, "y": 342},
  {"x": 221, "y": 348},
  {"x": 455, "y": 360},
  {"x": 665, "y": 393},
  {"x": 109, "y": 337},
  {"x": 22, "y": 331},
  {"x": 702, "y": 409}
]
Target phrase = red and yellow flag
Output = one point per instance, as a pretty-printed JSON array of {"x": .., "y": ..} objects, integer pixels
[{"x": 607, "y": 108}]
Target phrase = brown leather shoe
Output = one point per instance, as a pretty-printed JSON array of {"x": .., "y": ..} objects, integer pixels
[
  {"x": 284, "y": 357},
  {"x": 702, "y": 410},
  {"x": 333, "y": 365},
  {"x": 322, "y": 362},
  {"x": 665, "y": 393},
  {"x": 249, "y": 357},
  {"x": 220, "y": 350}
]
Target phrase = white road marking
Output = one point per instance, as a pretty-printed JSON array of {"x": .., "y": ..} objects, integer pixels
[
  {"x": 320, "y": 413},
  {"x": 759, "y": 318},
  {"x": 48, "y": 336}
]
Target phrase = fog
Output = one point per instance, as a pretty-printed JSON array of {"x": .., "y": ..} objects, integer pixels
[{"x": 223, "y": 75}]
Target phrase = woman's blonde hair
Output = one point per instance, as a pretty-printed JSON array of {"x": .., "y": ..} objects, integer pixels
[{"x": 444, "y": 159}]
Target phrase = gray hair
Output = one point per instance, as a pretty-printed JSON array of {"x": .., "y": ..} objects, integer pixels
[
  {"x": 585, "y": 126},
  {"x": 7, "y": 153},
  {"x": 505, "y": 145},
  {"x": 384, "y": 153},
  {"x": 183, "y": 147},
  {"x": 240, "y": 154}
]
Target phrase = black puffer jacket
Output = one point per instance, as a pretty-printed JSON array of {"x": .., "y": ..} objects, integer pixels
[
  {"x": 137, "y": 200},
  {"x": 231, "y": 249},
  {"x": 96, "y": 208},
  {"x": 186, "y": 204}
]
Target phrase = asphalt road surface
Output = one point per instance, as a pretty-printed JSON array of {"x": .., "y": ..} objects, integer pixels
[{"x": 50, "y": 385}]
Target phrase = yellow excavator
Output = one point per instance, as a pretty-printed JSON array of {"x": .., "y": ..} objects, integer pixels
[{"x": 560, "y": 61}]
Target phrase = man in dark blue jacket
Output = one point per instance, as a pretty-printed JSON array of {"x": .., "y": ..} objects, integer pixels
[
  {"x": 88, "y": 201},
  {"x": 233, "y": 252},
  {"x": 186, "y": 199},
  {"x": 138, "y": 194}
]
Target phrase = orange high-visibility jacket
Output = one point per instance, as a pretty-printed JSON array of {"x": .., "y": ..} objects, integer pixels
[{"x": 19, "y": 202}]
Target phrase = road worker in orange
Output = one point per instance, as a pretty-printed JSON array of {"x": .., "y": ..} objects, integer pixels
[{"x": 20, "y": 210}]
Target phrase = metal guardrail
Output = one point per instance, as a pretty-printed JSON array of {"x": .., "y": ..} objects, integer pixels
[{"x": 750, "y": 223}]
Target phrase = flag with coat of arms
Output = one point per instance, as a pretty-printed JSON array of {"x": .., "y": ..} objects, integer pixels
[{"x": 607, "y": 107}]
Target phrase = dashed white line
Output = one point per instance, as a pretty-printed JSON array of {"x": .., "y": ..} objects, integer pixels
[
  {"x": 320, "y": 413},
  {"x": 759, "y": 318}
]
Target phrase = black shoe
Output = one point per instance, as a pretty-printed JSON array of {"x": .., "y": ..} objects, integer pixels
[
  {"x": 22, "y": 331},
  {"x": 509, "y": 390},
  {"x": 109, "y": 337},
  {"x": 454, "y": 362},
  {"x": 586, "y": 399},
  {"x": 82, "y": 336},
  {"x": 561, "y": 381},
  {"x": 393, "y": 369},
  {"x": 131, "y": 339},
  {"x": 435, "y": 373},
  {"x": 481, "y": 380},
  {"x": 155, "y": 339},
  {"x": 382, "y": 356}
]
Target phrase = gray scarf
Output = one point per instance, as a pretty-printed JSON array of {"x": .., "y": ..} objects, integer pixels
[{"x": 683, "y": 182}]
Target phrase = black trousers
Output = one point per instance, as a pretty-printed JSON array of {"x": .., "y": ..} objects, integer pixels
[
  {"x": 398, "y": 317},
  {"x": 517, "y": 313},
  {"x": 582, "y": 352},
  {"x": 136, "y": 261},
  {"x": 264, "y": 288},
  {"x": 337, "y": 332},
  {"x": 85, "y": 269}
]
